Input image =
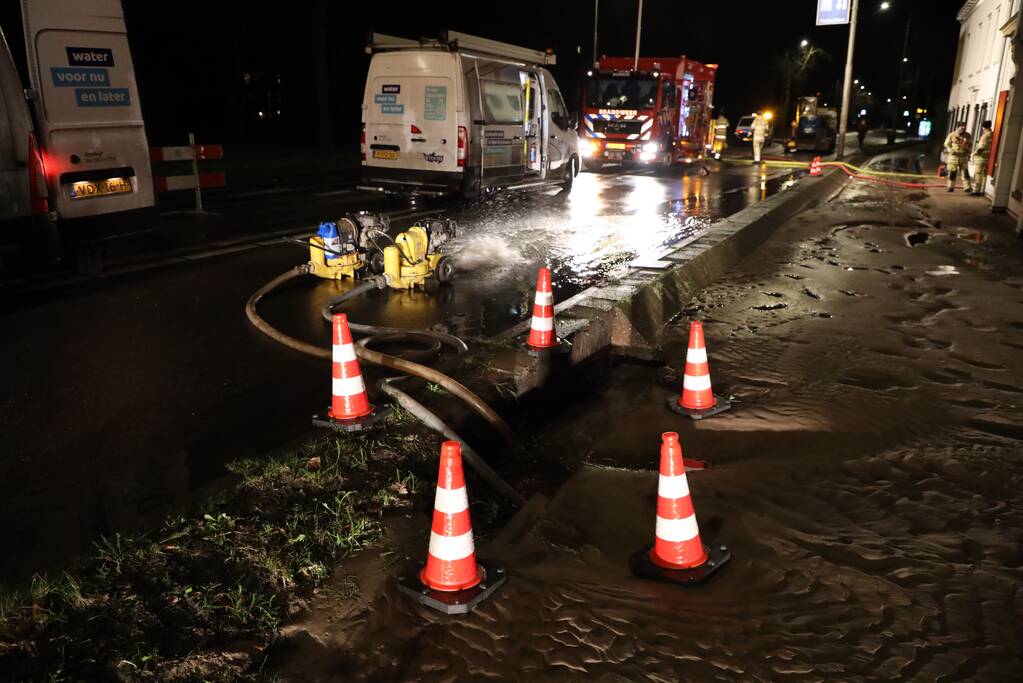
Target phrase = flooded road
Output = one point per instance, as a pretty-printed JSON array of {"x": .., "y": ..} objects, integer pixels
[
  {"x": 122, "y": 400},
  {"x": 867, "y": 482}
]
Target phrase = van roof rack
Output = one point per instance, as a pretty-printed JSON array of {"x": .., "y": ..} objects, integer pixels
[
  {"x": 465, "y": 41},
  {"x": 455, "y": 40}
]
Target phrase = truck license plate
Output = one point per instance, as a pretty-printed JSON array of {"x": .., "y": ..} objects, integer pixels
[
  {"x": 384, "y": 154},
  {"x": 616, "y": 145},
  {"x": 88, "y": 188},
  {"x": 613, "y": 156}
]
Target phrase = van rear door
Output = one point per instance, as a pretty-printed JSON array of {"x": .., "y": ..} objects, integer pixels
[
  {"x": 15, "y": 139},
  {"x": 88, "y": 117},
  {"x": 411, "y": 107}
]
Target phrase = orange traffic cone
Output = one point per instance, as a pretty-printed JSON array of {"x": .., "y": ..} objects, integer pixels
[
  {"x": 698, "y": 400},
  {"x": 677, "y": 555},
  {"x": 452, "y": 580},
  {"x": 541, "y": 329},
  {"x": 815, "y": 167},
  {"x": 350, "y": 409}
]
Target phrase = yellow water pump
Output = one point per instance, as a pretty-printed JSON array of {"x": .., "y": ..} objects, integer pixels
[{"x": 414, "y": 257}]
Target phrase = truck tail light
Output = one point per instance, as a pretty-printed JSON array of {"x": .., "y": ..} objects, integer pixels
[
  {"x": 37, "y": 177},
  {"x": 362, "y": 142},
  {"x": 463, "y": 144}
]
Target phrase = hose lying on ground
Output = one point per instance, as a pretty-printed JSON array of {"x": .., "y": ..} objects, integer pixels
[{"x": 380, "y": 334}]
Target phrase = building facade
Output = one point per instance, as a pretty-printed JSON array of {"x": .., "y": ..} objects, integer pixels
[{"x": 982, "y": 86}]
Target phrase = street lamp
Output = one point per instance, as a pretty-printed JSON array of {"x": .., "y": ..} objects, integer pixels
[
  {"x": 804, "y": 43},
  {"x": 885, "y": 5}
]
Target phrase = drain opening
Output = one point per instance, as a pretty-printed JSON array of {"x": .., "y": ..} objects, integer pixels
[{"x": 917, "y": 238}]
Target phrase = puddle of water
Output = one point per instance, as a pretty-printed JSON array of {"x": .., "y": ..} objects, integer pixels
[{"x": 943, "y": 270}]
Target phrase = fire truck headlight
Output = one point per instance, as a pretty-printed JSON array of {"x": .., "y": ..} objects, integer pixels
[
  {"x": 651, "y": 148},
  {"x": 587, "y": 147}
]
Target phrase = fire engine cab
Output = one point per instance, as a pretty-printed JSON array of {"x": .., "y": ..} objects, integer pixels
[{"x": 658, "y": 113}]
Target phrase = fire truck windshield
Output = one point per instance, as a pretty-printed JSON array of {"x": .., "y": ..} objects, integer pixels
[{"x": 622, "y": 92}]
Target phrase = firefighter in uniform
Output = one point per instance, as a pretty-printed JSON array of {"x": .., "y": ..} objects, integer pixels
[
  {"x": 759, "y": 127},
  {"x": 978, "y": 162},
  {"x": 720, "y": 135},
  {"x": 957, "y": 145}
]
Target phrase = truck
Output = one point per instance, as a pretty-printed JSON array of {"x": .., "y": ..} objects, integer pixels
[
  {"x": 816, "y": 127},
  {"x": 463, "y": 115},
  {"x": 73, "y": 146},
  {"x": 654, "y": 112}
]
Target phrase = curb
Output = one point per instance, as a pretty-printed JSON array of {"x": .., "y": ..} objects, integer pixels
[{"x": 629, "y": 314}]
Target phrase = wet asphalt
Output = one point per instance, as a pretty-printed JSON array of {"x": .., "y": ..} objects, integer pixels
[{"x": 123, "y": 399}]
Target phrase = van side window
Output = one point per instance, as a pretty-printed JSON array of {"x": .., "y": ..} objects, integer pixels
[
  {"x": 502, "y": 101},
  {"x": 559, "y": 112}
]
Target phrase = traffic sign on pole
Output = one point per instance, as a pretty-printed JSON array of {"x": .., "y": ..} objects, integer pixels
[{"x": 832, "y": 12}]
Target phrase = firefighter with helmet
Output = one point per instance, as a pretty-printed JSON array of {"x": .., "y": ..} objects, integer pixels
[
  {"x": 957, "y": 146},
  {"x": 720, "y": 143},
  {"x": 759, "y": 128}
]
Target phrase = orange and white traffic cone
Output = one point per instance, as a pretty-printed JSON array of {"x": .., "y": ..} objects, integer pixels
[
  {"x": 678, "y": 554},
  {"x": 452, "y": 581},
  {"x": 815, "y": 167},
  {"x": 541, "y": 328},
  {"x": 698, "y": 400},
  {"x": 350, "y": 409}
]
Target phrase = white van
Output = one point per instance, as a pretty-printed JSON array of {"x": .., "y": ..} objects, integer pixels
[
  {"x": 463, "y": 115},
  {"x": 85, "y": 108}
]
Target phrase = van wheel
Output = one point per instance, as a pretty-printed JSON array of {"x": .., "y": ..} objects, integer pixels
[{"x": 570, "y": 171}]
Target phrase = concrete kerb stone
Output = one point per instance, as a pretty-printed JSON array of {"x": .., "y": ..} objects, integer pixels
[{"x": 630, "y": 314}]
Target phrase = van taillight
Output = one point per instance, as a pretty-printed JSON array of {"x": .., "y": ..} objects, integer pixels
[
  {"x": 363, "y": 142},
  {"x": 463, "y": 144},
  {"x": 37, "y": 177}
]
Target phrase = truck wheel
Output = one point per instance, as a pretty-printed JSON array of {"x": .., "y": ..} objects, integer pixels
[{"x": 569, "y": 176}]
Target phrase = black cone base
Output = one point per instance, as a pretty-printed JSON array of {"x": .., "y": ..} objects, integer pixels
[
  {"x": 641, "y": 565},
  {"x": 720, "y": 405},
  {"x": 452, "y": 602},
  {"x": 357, "y": 425}
]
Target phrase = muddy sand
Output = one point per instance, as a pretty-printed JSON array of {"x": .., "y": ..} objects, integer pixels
[{"x": 867, "y": 482}]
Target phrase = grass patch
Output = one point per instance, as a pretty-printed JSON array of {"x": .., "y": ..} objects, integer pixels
[{"x": 198, "y": 598}]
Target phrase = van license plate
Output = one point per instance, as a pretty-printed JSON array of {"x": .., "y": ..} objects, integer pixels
[
  {"x": 98, "y": 188},
  {"x": 384, "y": 154}
]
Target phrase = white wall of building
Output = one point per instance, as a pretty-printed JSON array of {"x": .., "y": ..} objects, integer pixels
[{"x": 984, "y": 65}]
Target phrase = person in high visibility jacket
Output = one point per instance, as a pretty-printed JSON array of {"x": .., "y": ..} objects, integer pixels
[
  {"x": 957, "y": 146},
  {"x": 759, "y": 127},
  {"x": 979, "y": 159},
  {"x": 720, "y": 134}
]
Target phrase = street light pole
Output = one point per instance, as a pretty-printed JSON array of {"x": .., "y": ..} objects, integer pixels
[
  {"x": 639, "y": 26},
  {"x": 898, "y": 86},
  {"x": 596, "y": 15},
  {"x": 843, "y": 125}
]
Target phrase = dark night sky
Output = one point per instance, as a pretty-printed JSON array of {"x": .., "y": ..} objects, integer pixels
[{"x": 190, "y": 54}]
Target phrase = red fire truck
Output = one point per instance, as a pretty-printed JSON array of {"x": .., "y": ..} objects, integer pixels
[{"x": 659, "y": 113}]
